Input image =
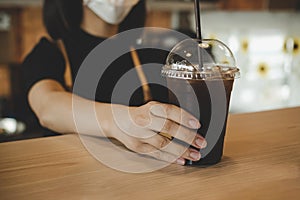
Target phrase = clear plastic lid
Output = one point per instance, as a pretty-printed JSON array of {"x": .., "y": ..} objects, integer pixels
[{"x": 206, "y": 59}]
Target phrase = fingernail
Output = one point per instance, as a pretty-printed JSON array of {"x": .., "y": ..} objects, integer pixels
[
  {"x": 201, "y": 143},
  {"x": 194, "y": 123},
  {"x": 195, "y": 155},
  {"x": 180, "y": 161}
]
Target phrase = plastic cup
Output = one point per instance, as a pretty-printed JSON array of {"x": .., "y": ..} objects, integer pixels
[{"x": 200, "y": 77}]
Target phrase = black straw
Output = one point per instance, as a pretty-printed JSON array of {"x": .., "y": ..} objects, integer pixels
[
  {"x": 198, "y": 21},
  {"x": 199, "y": 34}
]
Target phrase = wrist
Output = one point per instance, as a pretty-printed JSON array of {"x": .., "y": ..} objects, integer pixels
[{"x": 105, "y": 117}]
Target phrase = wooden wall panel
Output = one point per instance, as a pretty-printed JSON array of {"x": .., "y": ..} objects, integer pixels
[
  {"x": 158, "y": 19},
  {"x": 244, "y": 4},
  {"x": 9, "y": 39},
  {"x": 32, "y": 28},
  {"x": 4, "y": 82},
  {"x": 286, "y": 4}
]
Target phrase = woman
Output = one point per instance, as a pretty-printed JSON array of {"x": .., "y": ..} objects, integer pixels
[{"x": 82, "y": 25}]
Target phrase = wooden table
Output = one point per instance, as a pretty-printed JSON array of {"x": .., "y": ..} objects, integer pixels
[{"x": 261, "y": 161}]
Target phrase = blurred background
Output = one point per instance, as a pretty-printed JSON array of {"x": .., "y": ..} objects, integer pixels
[{"x": 264, "y": 35}]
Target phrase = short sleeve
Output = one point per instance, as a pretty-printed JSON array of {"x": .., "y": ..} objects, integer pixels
[{"x": 45, "y": 61}]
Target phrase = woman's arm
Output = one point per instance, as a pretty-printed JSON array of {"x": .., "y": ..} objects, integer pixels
[
  {"x": 135, "y": 127},
  {"x": 53, "y": 106}
]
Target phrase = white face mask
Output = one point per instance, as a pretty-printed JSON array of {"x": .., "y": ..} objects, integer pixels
[{"x": 111, "y": 11}]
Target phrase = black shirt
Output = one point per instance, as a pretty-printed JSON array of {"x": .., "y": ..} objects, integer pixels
[{"x": 46, "y": 61}]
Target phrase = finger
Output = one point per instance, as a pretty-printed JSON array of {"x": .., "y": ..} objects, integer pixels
[
  {"x": 175, "y": 114},
  {"x": 157, "y": 141},
  {"x": 175, "y": 130},
  {"x": 174, "y": 148},
  {"x": 141, "y": 147},
  {"x": 180, "y": 161},
  {"x": 192, "y": 154},
  {"x": 147, "y": 149}
]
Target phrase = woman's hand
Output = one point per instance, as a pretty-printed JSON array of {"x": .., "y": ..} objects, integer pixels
[{"x": 138, "y": 129}]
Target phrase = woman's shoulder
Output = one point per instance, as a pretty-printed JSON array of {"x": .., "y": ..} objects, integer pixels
[
  {"x": 44, "y": 61},
  {"x": 45, "y": 50},
  {"x": 45, "y": 44}
]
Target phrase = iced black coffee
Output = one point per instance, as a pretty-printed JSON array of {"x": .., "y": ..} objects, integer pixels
[{"x": 200, "y": 77}]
